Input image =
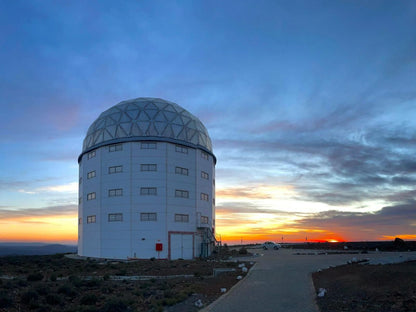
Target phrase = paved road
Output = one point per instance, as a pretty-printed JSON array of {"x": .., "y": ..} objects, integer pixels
[{"x": 281, "y": 281}]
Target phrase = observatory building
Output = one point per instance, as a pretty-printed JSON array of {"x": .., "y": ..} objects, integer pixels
[{"x": 146, "y": 184}]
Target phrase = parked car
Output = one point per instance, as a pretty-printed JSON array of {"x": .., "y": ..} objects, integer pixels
[{"x": 271, "y": 245}]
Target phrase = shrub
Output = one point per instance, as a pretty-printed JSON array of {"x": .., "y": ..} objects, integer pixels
[
  {"x": 88, "y": 299},
  {"x": 75, "y": 280},
  {"x": 242, "y": 251},
  {"x": 29, "y": 297},
  {"x": 5, "y": 301},
  {"x": 34, "y": 277},
  {"x": 67, "y": 290},
  {"x": 53, "y": 277},
  {"x": 115, "y": 305},
  {"x": 53, "y": 299}
]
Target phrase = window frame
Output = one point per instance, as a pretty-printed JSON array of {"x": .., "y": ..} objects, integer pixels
[
  {"x": 182, "y": 171},
  {"x": 115, "y": 217},
  {"x": 91, "y": 196},
  {"x": 204, "y": 197},
  {"x": 181, "y": 149},
  {"x": 204, "y": 175},
  {"x": 181, "y": 218},
  {"x": 92, "y": 219},
  {"x": 148, "y": 191},
  {"x": 148, "y": 216},
  {"x": 115, "y": 192},
  {"x": 181, "y": 193},
  {"x": 91, "y": 174},
  {"x": 148, "y": 145},
  {"x": 117, "y": 147},
  {"x": 115, "y": 169},
  {"x": 91, "y": 154},
  {"x": 204, "y": 220},
  {"x": 148, "y": 167}
]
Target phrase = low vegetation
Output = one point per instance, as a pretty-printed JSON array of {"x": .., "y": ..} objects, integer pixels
[{"x": 57, "y": 283}]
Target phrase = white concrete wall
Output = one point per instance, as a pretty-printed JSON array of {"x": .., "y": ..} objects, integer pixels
[{"x": 132, "y": 237}]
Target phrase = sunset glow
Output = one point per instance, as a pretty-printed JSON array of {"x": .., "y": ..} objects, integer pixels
[{"x": 310, "y": 107}]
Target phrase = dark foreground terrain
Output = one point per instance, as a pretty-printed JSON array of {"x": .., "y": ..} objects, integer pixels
[
  {"x": 369, "y": 288},
  {"x": 57, "y": 283}
]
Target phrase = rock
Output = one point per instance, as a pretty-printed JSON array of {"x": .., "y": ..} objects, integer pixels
[
  {"x": 198, "y": 303},
  {"x": 244, "y": 269},
  {"x": 321, "y": 292},
  {"x": 241, "y": 265},
  {"x": 239, "y": 277},
  {"x": 223, "y": 290}
]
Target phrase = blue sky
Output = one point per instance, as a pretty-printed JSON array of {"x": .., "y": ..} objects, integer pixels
[{"x": 310, "y": 105}]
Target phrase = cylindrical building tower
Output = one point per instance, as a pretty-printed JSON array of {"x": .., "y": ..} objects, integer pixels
[{"x": 146, "y": 184}]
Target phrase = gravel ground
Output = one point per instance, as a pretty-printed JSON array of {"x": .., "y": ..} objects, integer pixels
[{"x": 369, "y": 288}]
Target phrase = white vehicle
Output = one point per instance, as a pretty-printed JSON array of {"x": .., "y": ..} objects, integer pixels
[{"x": 271, "y": 245}]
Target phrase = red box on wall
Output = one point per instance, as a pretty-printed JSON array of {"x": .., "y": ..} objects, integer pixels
[{"x": 159, "y": 246}]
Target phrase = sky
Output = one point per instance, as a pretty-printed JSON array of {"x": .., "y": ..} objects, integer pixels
[{"x": 310, "y": 105}]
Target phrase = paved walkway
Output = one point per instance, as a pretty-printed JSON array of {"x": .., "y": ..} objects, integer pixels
[{"x": 281, "y": 281}]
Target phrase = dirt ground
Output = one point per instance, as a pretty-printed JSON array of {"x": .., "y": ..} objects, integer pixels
[{"x": 369, "y": 288}]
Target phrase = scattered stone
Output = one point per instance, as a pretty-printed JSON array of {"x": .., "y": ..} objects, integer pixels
[
  {"x": 223, "y": 290},
  {"x": 244, "y": 269},
  {"x": 199, "y": 303},
  {"x": 321, "y": 292},
  {"x": 239, "y": 277}
]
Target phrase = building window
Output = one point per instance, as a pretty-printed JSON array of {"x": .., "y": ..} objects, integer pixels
[
  {"x": 148, "y": 216},
  {"x": 114, "y": 217},
  {"x": 181, "y": 217},
  {"x": 180, "y": 170},
  {"x": 181, "y": 149},
  {"x": 91, "y": 219},
  {"x": 148, "y": 167},
  {"x": 115, "y": 192},
  {"x": 204, "y": 155},
  {"x": 204, "y": 196},
  {"x": 148, "y": 191},
  {"x": 115, "y": 147},
  {"x": 79, "y": 200},
  {"x": 204, "y": 175},
  {"x": 80, "y": 180},
  {"x": 80, "y": 221},
  {"x": 213, "y": 201},
  {"x": 181, "y": 193},
  {"x": 204, "y": 220},
  {"x": 91, "y": 174},
  {"x": 148, "y": 145},
  {"x": 91, "y": 196},
  {"x": 91, "y": 154},
  {"x": 115, "y": 169}
]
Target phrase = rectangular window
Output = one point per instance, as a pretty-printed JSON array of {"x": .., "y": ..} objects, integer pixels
[
  {"x": 114, "y": 217},
  {"x": 148, "y": 191},
  {"x": 91, "y": 219},
  {"x": 181, "y": 217},
  {"x": 148, "y": 216},
  {"x": 213, "y": 201},
  {"x": 80, "y": 201},
  {"x": 115, "y": 147},
  {"x": 181, "y": 193},
  {"x": 204, "y": 155},
  {"x": 204, "y": 196},
  {"x": 204, "y": 220},
  {"x": 91, "y": 154},
  {"x": 181, "y": 149},
  {"x": 115, "y": 169},
  {"x": 91, "y": 196},
  {"x": 80, "y": 221},
  {"x": 148, "y": 145},
  {"x": 115, "y": 192},
  {"x": 180, "y": 170},
  {"x": 148, "y": 167},
  {"x": 91, "y": 174},
  {"x": 204, "y": 175},
  {"x": 80, "y": 180}
]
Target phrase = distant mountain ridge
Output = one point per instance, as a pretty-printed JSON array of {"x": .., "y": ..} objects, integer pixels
[{"x": 31, "y": 249}]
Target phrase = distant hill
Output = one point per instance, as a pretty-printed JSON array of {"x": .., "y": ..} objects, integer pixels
[{"x": 30, "y": 249}]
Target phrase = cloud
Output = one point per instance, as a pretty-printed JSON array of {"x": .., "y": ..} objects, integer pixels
[
  {"x": 64, "y": 210},
  {"x": 71, "y": 187},
  {"x": 389, "y": 221}
]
